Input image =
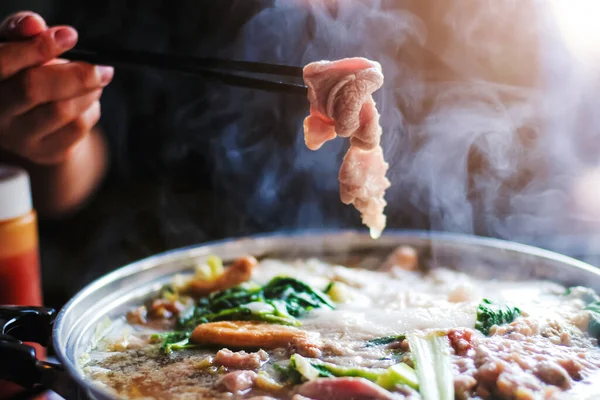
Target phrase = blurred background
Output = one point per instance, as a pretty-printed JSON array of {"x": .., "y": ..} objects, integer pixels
[
  {"x": 489, "y": 110},
  {"x": 39, "y": 6}
]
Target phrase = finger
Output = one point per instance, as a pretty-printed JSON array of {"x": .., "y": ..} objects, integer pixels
[
  {"x": 56, "y": 147},
  {"x": 57, "y": 61},
  {"x": 59, "y": 81},
  {"x": 32, "y": 126},
  {"x": 16, "y": 56},
  {"x": 22, "y": 25}
]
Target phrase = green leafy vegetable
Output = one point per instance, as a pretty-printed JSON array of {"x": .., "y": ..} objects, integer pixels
[
  {"x": 490, "y": 314},
  {"x": 299, "y": 298},
  {"x": 323, "y": 371},
  {"x": 432, "y": 358},
  {"x": 173, "y": 341},
  {"x": 284, "y": 299},
  {"x": 232, "y": 298},
  {"x": 385, "y": 340},
  {"x": 288, "y": 374},
  {"x": 304, "y": 367},
  {"x": 594, "y": 322}
]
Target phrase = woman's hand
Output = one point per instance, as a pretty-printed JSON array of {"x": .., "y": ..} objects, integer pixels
[
  {"x": 47, "y": 106},
  {"x": 48, "y": 109}
]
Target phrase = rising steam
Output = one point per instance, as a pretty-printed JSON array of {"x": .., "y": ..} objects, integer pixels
[
  {"x": 491, "y": 125},
  {"x": 482, "y": 115}
]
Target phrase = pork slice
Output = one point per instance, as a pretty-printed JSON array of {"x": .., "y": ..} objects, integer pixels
[
  {"x": 240, "y": 359},
  {"x": 338, "y": 90},
  {"x": 368, "y": 134},
  {"x": 340, "y": 94},
  {"x": 348, "y": 97},
  {"x": 318, "y": 129},
  {"x": 238, "y": 381},
  {"x": 363, "y": 183},
  {"x": 343, "y": 389}
]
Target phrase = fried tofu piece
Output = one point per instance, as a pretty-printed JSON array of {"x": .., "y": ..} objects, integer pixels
[
  {"x": 253, "y": 334},
  {"x": 238, "y": 272}
]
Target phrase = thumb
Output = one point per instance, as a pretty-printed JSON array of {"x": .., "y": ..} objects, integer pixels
[{"x": 22, "y": 25}]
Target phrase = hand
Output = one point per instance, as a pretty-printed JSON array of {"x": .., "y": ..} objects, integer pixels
[{"x": 47, "y": 106}]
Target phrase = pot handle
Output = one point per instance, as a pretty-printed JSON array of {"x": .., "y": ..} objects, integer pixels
[
  {"x": 28, "y": 324},
  {"x": 18, "y": 361}
]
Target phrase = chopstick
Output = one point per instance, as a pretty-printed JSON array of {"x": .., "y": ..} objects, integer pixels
[{"x": 206, "y": 67}]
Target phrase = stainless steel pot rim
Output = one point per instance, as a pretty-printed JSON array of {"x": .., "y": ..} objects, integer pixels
[{"x": 153, "y": 260}]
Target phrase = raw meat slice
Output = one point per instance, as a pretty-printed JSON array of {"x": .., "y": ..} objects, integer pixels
[
  {"x": 337, "y": 92},
  {"x": 340, "y": 94},
  {"x": 363, "y": 183},
  {"x": 320, "y": 130},
  {"x": 343, "y": 389}
]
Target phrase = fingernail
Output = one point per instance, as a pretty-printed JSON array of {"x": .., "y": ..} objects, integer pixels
[
  {"x": 19, "y": 21},
  {"x": 106, "y": 74},
  {"x": 65, "y": 37}
]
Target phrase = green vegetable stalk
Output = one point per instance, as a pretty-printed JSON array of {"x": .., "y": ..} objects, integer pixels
[
  {"x": 399, "y": 374},
  {"x": 432, "y": 358}
]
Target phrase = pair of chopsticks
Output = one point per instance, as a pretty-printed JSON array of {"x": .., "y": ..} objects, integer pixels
[{"x": 226, "y": 71}]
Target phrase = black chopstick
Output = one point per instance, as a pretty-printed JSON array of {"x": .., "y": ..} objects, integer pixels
[{"x": 208, "y": 67}]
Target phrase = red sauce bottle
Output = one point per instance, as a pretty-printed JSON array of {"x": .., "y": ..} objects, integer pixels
[
  {"x": 20, "y": 281},
  {"x": 19, "y": 251}
]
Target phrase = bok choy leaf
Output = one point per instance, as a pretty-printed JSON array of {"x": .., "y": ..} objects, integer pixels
[
  {"x": 385, "y": 340},
  {"x": 388, "y": 378},
  {"x": 431, "y": 356}
]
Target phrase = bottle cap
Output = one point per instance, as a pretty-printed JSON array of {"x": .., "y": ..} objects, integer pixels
[{"x": 15, "y": 193}]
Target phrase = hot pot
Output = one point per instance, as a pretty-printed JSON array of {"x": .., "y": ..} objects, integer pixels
[{"x": 72, "y": 329}]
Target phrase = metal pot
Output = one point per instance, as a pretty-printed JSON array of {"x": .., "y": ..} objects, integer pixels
[{"x": 112, "y": 294}]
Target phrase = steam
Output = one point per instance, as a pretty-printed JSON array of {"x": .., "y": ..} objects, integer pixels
[
  {"x": 295, "y": 187},
  {"x": 489, "y": 140},
  {"x": 491, "y": 125}
]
